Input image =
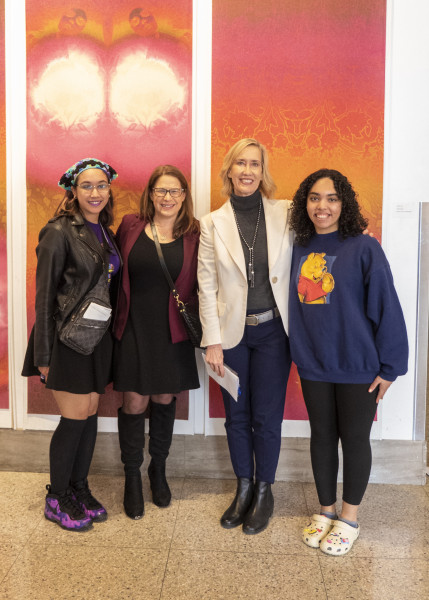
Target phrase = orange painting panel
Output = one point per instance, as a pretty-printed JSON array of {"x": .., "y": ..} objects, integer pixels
[{"x": 307, "y": 80}]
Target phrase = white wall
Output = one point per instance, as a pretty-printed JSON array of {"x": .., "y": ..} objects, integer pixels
[{"x": 405, "y": 176}]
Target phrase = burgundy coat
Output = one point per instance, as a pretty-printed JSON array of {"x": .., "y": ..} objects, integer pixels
[{"x": 186, "y": 284}]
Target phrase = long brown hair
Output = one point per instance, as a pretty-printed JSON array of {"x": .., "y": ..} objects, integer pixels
[{"x": 185, "y": 220}]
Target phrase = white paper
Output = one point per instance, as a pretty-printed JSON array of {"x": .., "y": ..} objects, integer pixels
[
  {"x": 97, "y": 312},
  {"x": 230, "y": 382}
]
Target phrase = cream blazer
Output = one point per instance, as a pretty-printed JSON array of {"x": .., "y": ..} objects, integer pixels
[{"x": 222, "y": 276}]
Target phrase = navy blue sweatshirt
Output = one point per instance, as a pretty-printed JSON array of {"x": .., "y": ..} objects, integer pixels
[{"x": 346, "y": 323}]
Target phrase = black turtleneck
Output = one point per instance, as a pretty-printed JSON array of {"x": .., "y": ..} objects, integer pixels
[{"x": 246, "y": 208}]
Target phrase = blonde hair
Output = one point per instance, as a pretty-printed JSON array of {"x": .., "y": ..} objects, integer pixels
[{"x": 267, "y": 185}]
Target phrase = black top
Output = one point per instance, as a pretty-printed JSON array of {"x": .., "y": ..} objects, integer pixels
[{"x": 247, "y": 208}]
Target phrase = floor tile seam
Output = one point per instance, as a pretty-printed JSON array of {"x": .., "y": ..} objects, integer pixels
[
  {"x": 308, "y": 515},
  {"x": 170, "y": 546},
  {"x": 179, "y": 502},
  {"x": 385, "y": 559},
  {"x": 106, "y": 546},
  {"x": 240, "y": 552},
  {"x": 36, "y": 526},
  {"x": 172, "y": 537},
  {"x": 319, "y": 557},
  {"x": 164, "y": 575},
  {"x": 21, "y": 550}
]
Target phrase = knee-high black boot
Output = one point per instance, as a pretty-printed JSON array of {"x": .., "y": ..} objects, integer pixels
[
  {"x": 131, "y": 441},
  {"x": 161, "y": 425}
]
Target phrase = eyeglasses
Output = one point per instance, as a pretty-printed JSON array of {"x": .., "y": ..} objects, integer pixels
[
  {"x": 161, "y": 192},
  {"x": 88, "y": 187}
]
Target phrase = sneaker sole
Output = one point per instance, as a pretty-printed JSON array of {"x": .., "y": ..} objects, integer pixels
[
  {"x": 99, "y": 518},
  {"x": 84, "y": 528}
]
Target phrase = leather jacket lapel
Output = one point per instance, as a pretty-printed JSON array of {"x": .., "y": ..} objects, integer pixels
[{"x": 87, "y": 236}]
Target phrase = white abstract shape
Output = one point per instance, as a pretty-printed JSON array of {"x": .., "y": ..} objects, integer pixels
[
  {"x": 143, "y": 91},
  {"x": 70, "y": 91}
]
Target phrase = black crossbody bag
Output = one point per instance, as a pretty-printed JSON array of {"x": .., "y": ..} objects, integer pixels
[
  {"x": 82, "y": 333},
  {"x": 190, "y": 317}
]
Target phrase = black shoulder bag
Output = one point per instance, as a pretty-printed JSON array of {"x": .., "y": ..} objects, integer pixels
[{"x": 191, "y": 319}]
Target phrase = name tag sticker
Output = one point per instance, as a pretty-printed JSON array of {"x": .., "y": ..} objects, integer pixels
[{"x": 95, "y": 312}]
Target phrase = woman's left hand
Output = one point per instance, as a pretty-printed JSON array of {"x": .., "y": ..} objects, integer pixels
[{"x": 384, "y": 386}]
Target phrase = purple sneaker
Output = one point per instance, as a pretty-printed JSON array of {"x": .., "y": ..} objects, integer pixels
[
  {"x": 63, "y": 509},
  {"x": 90, "y": 505}
]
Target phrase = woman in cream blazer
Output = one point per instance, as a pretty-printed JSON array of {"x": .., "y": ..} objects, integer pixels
[{"x": 243, "y": 276}]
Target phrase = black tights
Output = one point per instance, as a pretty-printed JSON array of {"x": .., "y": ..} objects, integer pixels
[{"x": 340, "y": 411}]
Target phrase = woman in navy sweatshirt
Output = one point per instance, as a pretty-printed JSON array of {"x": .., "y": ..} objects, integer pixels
[{"x": 349, "y": 342}]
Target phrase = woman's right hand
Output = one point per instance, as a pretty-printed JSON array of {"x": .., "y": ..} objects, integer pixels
[
  {"x": 44, "y": 371},
  {"x": 214, "y": 358}
]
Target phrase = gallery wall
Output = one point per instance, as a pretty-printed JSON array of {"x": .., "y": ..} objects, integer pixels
[{"x": 318, "y": 82}]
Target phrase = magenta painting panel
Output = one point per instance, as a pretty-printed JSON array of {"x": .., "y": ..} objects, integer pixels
[{"x": 112, "y": 80}]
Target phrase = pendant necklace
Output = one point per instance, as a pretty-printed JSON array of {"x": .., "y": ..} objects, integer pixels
[
  {"x": 162, "y": 237},
  {"x": 250, "y": 267}
]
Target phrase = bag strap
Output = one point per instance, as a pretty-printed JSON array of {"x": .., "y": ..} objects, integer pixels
[{"x": 180, "y": 304}]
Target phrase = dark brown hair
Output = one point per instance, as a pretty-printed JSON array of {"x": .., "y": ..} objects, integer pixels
[
  {"x": 185, "y": 220},
  {"x": 69, "y": 205},
  {"x": 351, "y": 222}
]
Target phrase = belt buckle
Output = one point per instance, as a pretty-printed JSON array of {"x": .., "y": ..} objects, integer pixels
[{"x": 255, "y": 320}]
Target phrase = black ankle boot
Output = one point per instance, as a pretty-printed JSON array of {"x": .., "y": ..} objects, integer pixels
[
  {"x": 131, "y": 440},
  {"x": 234, "y": 515},
  {"x": 161, "y": 425},
  {"x": 261, "y": 510}
]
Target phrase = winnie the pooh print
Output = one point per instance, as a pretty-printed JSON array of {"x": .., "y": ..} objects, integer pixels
[{"x": 315, "y": 283}]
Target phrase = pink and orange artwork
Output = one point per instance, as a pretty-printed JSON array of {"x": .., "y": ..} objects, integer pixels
[
  {"x": 307, "y": 80},
  {"x": 112, "y": 80}
]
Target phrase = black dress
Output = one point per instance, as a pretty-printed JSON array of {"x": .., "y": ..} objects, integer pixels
[
  {"x": 72, "y": 372},
  {"x": 145, "y": 360}
]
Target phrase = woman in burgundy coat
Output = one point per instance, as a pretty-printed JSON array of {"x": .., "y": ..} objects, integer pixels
[{"x": 153, "y": 357}]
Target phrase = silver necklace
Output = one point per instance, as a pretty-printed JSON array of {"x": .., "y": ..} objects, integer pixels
[{"x": 250, "y": 266}]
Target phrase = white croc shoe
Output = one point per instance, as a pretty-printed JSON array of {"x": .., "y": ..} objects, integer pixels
[
  {"x": 340, "y": 539},
  {"x": 318, "y": 528}
]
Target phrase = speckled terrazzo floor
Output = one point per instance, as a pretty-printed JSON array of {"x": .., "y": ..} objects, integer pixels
[{"x": 182, "y": 552}]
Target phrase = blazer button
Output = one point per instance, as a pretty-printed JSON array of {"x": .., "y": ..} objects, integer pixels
[{"x": 274, "y": 280}]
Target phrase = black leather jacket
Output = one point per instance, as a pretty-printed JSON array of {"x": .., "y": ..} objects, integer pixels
[{"x": 69, "y": 263}]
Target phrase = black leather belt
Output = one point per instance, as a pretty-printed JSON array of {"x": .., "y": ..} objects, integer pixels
[{"x": 262, "y": 317}]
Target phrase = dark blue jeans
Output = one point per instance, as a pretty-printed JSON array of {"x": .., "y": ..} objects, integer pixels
[{"x": 253, "y": 424}]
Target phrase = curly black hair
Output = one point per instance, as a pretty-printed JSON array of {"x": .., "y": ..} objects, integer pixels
[{"x": 351, "y": 222}]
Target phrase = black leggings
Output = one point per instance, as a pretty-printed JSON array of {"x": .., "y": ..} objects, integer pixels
[{"x": 340, "y": 411}]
